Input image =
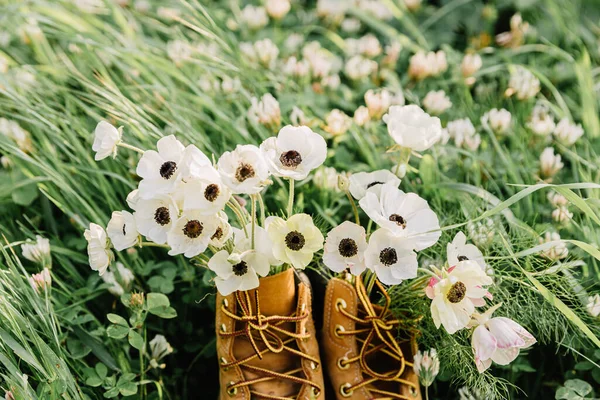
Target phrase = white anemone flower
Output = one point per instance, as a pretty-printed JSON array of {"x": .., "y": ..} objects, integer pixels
[
  {"x": 223, "y": 232},
  {"x": 459, "y": 250},
  {"x": 412, "y": 127},
  {"x": 38, "y": 251},
  {"x": 99, "y": 253},
  {"x": 132, "y": 198},
  {"x": 161, "y": 170},
  {"x": 190, "y": 235},
  {"x": 154, "y": 217},
  {"x": 456, "y": 293},
  {"x": 106, "y": 140},
  {"x": 238, "y": 271},
  {"x": 405, "y": 214},
  {"x": 244, "y": 170},
  {"x": 205, "y": 192},
  {"x": 345, "y": 247},
  {"x": 294, "y": 152},
  {"x": 391, "y": 257},
  {"x": 296, "y": 240},
  {"x": 242, "y": 239},
  {"x": 122, "y": 230},
  {"x": 363, "y": 182},
  {"x": 497, "y": 339}
]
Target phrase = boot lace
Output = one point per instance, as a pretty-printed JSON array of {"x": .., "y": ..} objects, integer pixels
[
  {"x": 265, "y": 335},
  {"x": 379, "y": 330}
]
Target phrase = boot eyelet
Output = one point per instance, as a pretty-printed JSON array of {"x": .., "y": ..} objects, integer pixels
[
  {"x": 225, "y": 303},
  {"x": 343, "y": 363},
  {"x": 413, "y": 391},
  {"x": 223, "y": 328},
  {"x": 316, "y": 391},
  {"x": 224, "y": 362},
  {"x": 338, "y": 330},
  {"x": 340, "y": 303},
  {"x": 343, "y": 390},
  {"x": 313, "y": 365},
  {"x": 232, "y": 391}
]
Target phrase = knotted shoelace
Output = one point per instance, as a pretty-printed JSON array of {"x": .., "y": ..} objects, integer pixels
[
  {"x": 376, "y": 326},
  {"x": 263, "y": 330}
]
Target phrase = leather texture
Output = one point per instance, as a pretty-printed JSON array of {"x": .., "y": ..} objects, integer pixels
[
  {"x": 284, "y": 294},
  {"x": 337, "y": 348}
]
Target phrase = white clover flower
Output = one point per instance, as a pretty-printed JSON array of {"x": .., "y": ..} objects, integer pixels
[
  {"x": 297, "y": 117},
  {"x": 464, "y": 134},
  {"x": 367, "y": 46},
  {"x": 179, "y": 51},
  {"x": 99, "y": 253},
  {"x": 426, "y": 366},
  {"x": 471, "y": 63},
  {"x": 294, "y": 152},
  {"x": 333, "y": 10},
  {"x": 557, "y": 251},
  {"x": 350, "y": 25},
  {"x": 481, "y": 232},
  {"x": 238, "y": 271},
  {"x": 458, "y": 250},
  {"x": 205, "y": 191},
  {"x": 265, "y": 53},
  {"x": 191, "y": 233},
  {"x": 361, "y": 116},
  {"x": 550, "y": 164},
  {"x": 436, "y": 102},
  {"x": 562, "y": 215},
  {"x": 16, "y": 133},
  {"x": 244, "y": 170},
  {"x": 523, "y": 83},
  {"x": 161, "y": 170},
  {"x": 277, "y": 9},
  {"x": 497, "y": 339},
  {"x": 593, "y": 305},
  {"x": 41, "y": 281},
  {"x": 266, "y": 111},
  {"x": 557, "y": 199},
  {"x": 375, "y": 7},
  {"x": 114, "y": 287},
  {"x": 38, "y": 251},
  {"x": 379, "y": 102},
  {"x": 230, "y": 85},
  {"x": 322, "y": 62},
  {"x": 337, "y": 122},
  {"x": 297, "y": 68},
  {"x": 391, "y": 257},
  {"x": 498, "y": 121},
  {"x": 159, "y": 349},
  {"x": 358, "y": 67},
  {"x": 326, "y": 178},
  {"x": 567, "y": 132},
  {"x": 405, "y": 214},
  {"x": 294, "y": 41},
  {"x": 331, "y": 81},
  {"x": 541, "y": 121},
  {"x": 255, "y": 17},
  {"x": 122, "y": 230},
  {"x": 155, "y": 217},
  {"x": 412, "y": 127},
  {"x": 296, "y": 240},
  {"x": 515, "y": 37},
  {"x": 456, "y": 293},
  {"x": 345, "y": 247},
  {"x": 392, "y": 53},
  {"x": 363, "y": 182},
  {"x": 262, "y": 243},
  {"x": 423, "y": 65}
]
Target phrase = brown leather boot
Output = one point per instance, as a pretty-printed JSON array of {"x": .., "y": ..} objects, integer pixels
[
  {"x": 362, "y": 355},
  {"x": 266, "y": 341}
]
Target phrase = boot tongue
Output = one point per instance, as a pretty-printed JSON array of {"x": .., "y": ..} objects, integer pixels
[{"x": 277, "y": 294}]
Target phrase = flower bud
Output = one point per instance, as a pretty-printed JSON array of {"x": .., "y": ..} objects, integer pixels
[{"x": 426, "y": 366}]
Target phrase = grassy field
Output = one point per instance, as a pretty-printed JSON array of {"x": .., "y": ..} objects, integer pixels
[{"x": 198, "y": 70}]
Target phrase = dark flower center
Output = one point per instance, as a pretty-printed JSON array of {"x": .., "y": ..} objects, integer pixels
[
  {"x": 212, "y": 192},
  {"x": 161, "y": 216},
  {"x": 168, "y": 169},
  {"x": 193, "y": 229},
  {"x": 124, "y": 232},
  {"x": 290, "y": 159},
  {"x": 218, "y": 234},
  {"x": 462, "y": 258},
  {"x": 348, "y": 247},
  {"x": 370, "y": 185},
  {"x": 244, "y": 171},
  {"x": 295, "y": 240},
  {"x": 240, "y": 268},
  {"x": 457, "y": 292},
  {"x": 399, "y": 220},
  {"x": 388, "y": 256}
]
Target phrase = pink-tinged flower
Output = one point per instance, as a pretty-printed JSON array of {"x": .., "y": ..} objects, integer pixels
[
  {"x": 41, "y": 281},
  {"x": 455, "y": 294},
  {"x": 497, "y": 339}
]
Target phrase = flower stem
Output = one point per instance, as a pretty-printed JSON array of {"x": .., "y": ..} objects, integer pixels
[
  {"x": 130, "y": 147},
  {"x": 427, "y": 393},
  {"x": 354, "y": 209},
  {"x": 290, "y": 199},
  {"x": 232, "y": 204},
  {"x": 261, "y": 204},
  {"x": 253, "y": 200}
]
